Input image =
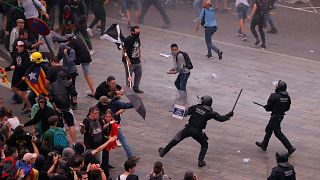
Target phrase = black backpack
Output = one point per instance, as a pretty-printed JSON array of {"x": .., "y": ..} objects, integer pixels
[
  {"x": 265, "y": 5},
  {"x": 187, "y": 59}
]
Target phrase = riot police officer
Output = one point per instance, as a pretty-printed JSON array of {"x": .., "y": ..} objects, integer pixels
[
  {"x": 278, "y": 103},
  {"x": 284, "y": 170},
  {"x": 200, "y": 114}
]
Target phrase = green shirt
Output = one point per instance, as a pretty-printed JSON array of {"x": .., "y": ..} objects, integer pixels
[{"x": 48, "y": 137}]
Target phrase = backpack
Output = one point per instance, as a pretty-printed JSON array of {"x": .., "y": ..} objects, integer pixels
[
  {"x": 59, "y": 137},
  {"x": 187, "y": 59},
  {"x": 95, "y": 131},
  {"x": 265, "y": 5},
  {"x": 100, "y": 91},
  {"x": 203, "y": 21}
]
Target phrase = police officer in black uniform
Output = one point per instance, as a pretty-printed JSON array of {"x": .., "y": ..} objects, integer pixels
[
  {"x": 278, "y": 103},
  {"x": 284, "y": 170},
  {"x": 200, "y": 114}
]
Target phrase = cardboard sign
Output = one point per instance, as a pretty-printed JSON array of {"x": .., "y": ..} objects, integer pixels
[{"x": 178, "y": 111}]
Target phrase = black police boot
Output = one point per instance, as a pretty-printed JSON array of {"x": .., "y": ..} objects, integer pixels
[
  {"x": 290, "y": 151},
  {"x": 161, "y": 153},
  {"x": 201, "y": 163},
  {"x": 260, "y": 145}
]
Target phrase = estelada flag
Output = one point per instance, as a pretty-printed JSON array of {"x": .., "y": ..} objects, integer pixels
[
  {"x": 4, "y": 76},
  {"x": 36, "y": 81},
  {"x": 114, "y": 34},
  {"x": 114, "y": 132}
]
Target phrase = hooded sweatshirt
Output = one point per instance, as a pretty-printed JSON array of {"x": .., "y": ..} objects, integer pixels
[
  {"x": 61, "y": 91},
  {"x": 69, "y": 59},
  {"x": 42, "y": 115}
]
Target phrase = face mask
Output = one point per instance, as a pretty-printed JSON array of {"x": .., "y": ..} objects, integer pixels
[
  {"x": 174, "y": 53},
  {"x": 136, "y": 35}
]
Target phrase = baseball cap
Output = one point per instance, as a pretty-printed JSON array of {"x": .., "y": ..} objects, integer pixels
[
  {"x": 20, "y": 43},
  {"x": 104, "y": 99},
  {"x": 28, "y": 156}
]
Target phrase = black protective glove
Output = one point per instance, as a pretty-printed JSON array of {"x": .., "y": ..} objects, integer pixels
[{"x": 230, "y": 114}]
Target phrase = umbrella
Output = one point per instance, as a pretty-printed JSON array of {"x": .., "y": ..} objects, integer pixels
[{"x": 136, "y": 101}]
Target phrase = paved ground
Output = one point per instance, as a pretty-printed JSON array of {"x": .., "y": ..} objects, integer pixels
[
  {"x": 297, "y": 28},
  {"x": 242, "y": 67},
  {"x": 247, "y": 68}
]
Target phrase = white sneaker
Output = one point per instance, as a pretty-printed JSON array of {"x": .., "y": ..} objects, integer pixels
[
  {"x": 89, "y": 30},
  {"x": 103, "y": 37},
  {"x": 118, "y": 143},
  {"x": 92, "y": 52}
]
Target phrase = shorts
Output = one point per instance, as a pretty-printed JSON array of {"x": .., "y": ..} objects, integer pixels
[
  {"x": 68, "y": 117},
  {"x": 135, "y": 4},
  {"x": 85, "y": 68},
  {"x": 242, "y": 11}
]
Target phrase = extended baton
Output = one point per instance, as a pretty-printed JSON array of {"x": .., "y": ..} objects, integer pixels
[
  {"x": 237, "y": 100},
  {"x": 258, "y": 104}
]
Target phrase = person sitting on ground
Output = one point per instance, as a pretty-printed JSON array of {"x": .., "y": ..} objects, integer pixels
[{"x": 108, "y": 88}]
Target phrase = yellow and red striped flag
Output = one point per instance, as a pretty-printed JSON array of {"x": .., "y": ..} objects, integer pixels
[{"x": 36, "y": 81}]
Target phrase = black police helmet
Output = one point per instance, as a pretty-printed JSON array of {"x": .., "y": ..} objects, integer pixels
[
  {"x": 282, "y": 86},
  {"x": 206, "y": 100},
  {"x": 282, "y": 157}
]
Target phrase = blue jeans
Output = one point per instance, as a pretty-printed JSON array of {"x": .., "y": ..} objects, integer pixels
[
  {"x": 209, "y": 31},
  {"x": 125, "y": 146},
  {"x": 181, "y": 81},
  {"x": 268, "y": 19}
]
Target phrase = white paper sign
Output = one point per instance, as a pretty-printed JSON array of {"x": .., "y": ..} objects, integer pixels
[{"x": 178, "y": 111}]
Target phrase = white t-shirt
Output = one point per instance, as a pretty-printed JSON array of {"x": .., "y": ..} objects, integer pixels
[
  {"x": 122, "y": 177},
  {"x": 245, "y": 2}
]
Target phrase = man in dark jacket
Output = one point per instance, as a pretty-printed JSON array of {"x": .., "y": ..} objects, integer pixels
[
  {"x": 61, "y": 94},
  {"x": 69, "y": 57},
  {"x": 42, "y": 115},
  {"x": 284, "y": 170},
  {"x": 200, "y": 114},
  {"x": 20, "y": 64},
  {"x": 278, "y": 103}
]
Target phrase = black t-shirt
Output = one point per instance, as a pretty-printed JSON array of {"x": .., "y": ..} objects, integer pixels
[
  {"x": 53, "y": 71},
  {"x": 132, "y": 46},
  {"x": 81, "y": 50}
]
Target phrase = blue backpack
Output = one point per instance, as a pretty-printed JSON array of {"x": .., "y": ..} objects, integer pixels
[{"x": 59, "y": 137}]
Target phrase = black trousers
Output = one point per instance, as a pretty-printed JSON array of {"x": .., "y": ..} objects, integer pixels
[
  {"x": 258, "y": 19},
  {"x": 196, "y": 134},
  {"x": 158, "y": 5},
  {"x": 99, "y": 15},
  {"x": 274, "y": 126}
]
